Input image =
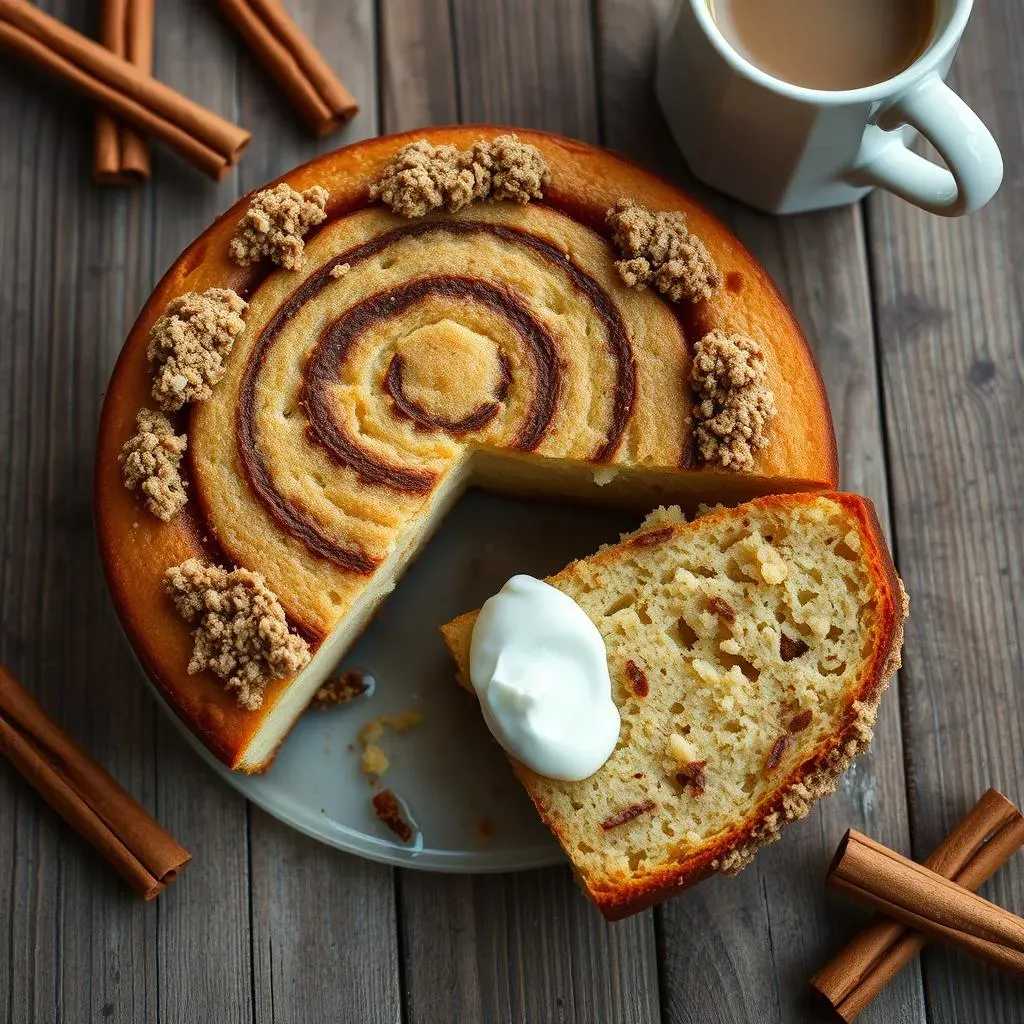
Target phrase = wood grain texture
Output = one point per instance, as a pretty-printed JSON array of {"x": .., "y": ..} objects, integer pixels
[
  {"x": 515, "y": 947},
  {"x": 323, "y": 923},
  {"x": 75, "y": 944},
  {"x": 951, "y": 325},
  {"x": 204, "y": 956},
  {"x": 324, "y": 931},
  {"x": 743, "y": 949}
]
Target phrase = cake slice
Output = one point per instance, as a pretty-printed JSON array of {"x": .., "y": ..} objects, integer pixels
[{"x": 748, "y": 651}]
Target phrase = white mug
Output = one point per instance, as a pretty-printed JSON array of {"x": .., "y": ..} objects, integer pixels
[{"x": 786, "y": 149}]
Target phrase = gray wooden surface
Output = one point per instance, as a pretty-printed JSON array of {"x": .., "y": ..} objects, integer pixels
[{"x": 918, "y": 324}]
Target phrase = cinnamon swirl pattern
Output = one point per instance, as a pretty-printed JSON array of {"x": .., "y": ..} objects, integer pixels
[{"x": 357, "y": 404}]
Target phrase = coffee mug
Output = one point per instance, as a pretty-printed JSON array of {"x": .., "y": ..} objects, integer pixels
[{"x": 787, "y": 149}]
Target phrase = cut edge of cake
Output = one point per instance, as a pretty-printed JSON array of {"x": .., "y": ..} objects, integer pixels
[{"x": 807, "y": 778}]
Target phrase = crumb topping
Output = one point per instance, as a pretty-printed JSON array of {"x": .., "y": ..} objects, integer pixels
[
  {"x": 659, "y": 249},
  {"x": 340, "y": 270},
  {"x": 422, "y": 177},
  {"x": 188, "y": 345},
  {"x": 150, "y": 462},
  {"x": 518, "y": 170},
  {"x": 733, "y": 404},
  {"x": 241, "y": 633},
  {"x": 276, "y": 223},
  {"x": 389, "y": 811},
  {"x": 340, "y": 690}
]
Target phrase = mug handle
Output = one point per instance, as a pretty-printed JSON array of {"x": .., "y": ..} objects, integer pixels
[{"x": 974, "y": 165}]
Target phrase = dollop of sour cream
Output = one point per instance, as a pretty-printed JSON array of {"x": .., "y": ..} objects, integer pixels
[{"x": 540, "y": 669}]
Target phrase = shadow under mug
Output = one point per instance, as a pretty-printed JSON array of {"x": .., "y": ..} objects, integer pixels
[{"x": 787, "y": 149}]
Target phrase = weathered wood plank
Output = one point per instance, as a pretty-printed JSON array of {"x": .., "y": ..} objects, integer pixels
[
  {"x": 325, "y": 941},
  {"x": 324, "y": 931},
  {"x": 513, "y": 947},
  {"x": 951, "y": 323},
  {"x": 743, "y": 949},
  {"x": 75, "y": 944},
  {"x": 204, "y": 954}
]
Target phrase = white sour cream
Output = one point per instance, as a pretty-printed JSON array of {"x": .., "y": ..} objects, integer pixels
[{"x": 539, "y": 667}]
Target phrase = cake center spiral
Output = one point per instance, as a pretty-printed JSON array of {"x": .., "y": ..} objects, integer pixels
[
  {"x": 357, "y": 401},
  {"x": 447, "y": 376}
]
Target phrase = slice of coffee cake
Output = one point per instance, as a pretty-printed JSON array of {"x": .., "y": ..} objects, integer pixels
[{"x": 748, "y": 651}]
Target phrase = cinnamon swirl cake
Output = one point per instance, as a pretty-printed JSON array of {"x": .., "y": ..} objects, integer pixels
[{"x": 325, "y": 370}]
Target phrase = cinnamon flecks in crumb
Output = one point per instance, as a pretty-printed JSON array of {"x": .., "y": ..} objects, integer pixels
[
  {"x": 733, "y": 405},
  {"x": 340, "y": 690},
  {"x": 389, "y": 811},
  {"x": 275, "y": 225},
  {"x": 637, "y": 679},
  {"x": 340, "y": 270},
  {"x": 240, "y": 630},
  {"x": 790, "y": 648},
  {"x": 627, "y": 814},
  {"x": 650, "y": 538},
  {"x": 188, "y": 345},
  {"x": 422, "y": 177},
  {"x": 801, "y": 721},
  {"x": 775, "y": 755},
  {"x": 659, "y": 249},
  {"x": 150, "y": 462},
  {"x": 720, "y": 607},
  {"x": 693, "y": 776}
]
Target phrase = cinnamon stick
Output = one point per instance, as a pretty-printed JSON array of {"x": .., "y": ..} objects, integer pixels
[
  {"x": 201, "y": 136},
  {"x": 121, "y": 153},
  {"x": 980, "y": 844},
  {"x": 927, "y": 902},
  {"x": 85, "y": 795},
  {"x": 287, "y": 53}
]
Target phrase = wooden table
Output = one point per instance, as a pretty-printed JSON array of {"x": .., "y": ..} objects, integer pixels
[{"x": 917, "y": 324}]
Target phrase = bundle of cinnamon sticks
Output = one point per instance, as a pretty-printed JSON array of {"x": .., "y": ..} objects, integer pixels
[
  {"x": 85, "y": 795},
  {"x": 935, "y": 900},
  {"x": 115, "y": 74}
]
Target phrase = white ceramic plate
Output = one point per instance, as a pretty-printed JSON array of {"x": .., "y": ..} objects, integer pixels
[{"x": 470, "y": 812}]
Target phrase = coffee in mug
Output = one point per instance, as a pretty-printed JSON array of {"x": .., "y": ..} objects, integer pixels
[
  {"x": 827, "y": 44},
  {"x": 794, "y": 105}
]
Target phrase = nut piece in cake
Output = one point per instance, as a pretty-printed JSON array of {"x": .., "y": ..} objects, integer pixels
[
  {"x": 275, "y": 225},
  {"x": 733, "y": 405},
  {"x": 659, "y": 249},
  {"x": 150, "y": 462},
  {"x": 422, "y": 178},
  {"x": 240, "y": 630},
  {"x": 188, "y": 345}
]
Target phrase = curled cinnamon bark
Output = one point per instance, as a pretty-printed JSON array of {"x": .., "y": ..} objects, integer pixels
[{"x": 287, "y": 53}]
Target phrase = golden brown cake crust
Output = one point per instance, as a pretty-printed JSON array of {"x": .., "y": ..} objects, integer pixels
[{"x": 136, "y": 549}]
